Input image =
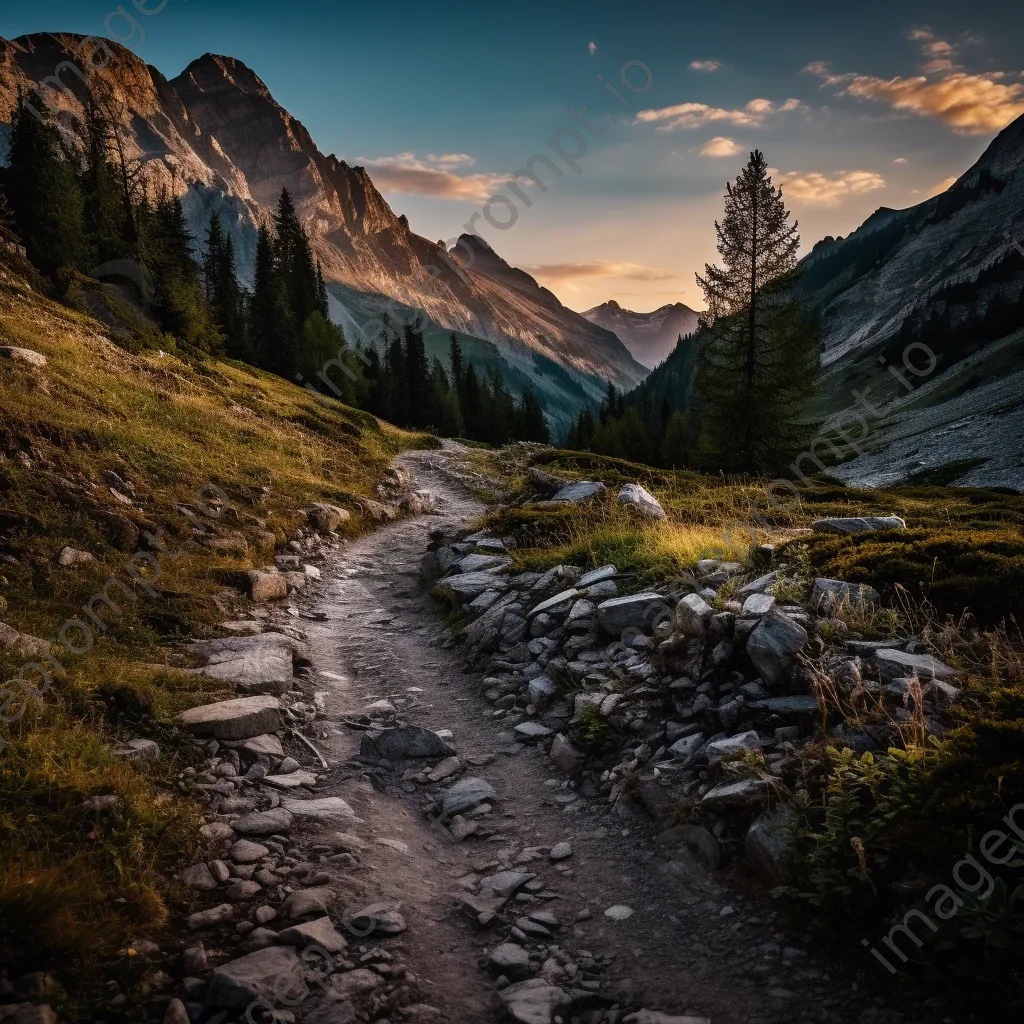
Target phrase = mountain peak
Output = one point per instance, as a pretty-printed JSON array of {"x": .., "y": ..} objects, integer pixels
[{"x": 650, "y": 337}]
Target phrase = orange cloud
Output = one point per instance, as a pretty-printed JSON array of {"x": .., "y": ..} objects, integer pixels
[
  {"x": 817, "y": 189},
  {"x": 720, "y": 146},
  {"x": 407, "y": 175},
  {"x": 684, "y": 116},
  {"x": 971, "y": 104},
  {"x": 566, "y": 273}
]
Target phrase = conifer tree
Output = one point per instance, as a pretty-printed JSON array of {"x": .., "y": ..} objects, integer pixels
[
  {"x": 220, "y": 283},
  {"x": 271, "y": 335},
  {"x": 43, "y": 192},
  {"x": 758, "y": 352},
  {"x": 530, "y": 424},
  {"x": 417, "y": 383},
  {"x": 456, "y": 363},
  {"x": 472, "y": 405}
]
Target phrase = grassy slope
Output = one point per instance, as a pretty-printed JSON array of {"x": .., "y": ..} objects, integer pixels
[
  {"x": 963, "y": 549},
  {"x": 169, "y": 427}
]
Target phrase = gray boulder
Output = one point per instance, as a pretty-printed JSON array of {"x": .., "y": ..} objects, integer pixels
[
  {"x": 237, "y": 719},
  {"x": 639, "y": 499},
  {"x": 511, "y": 960},
  {"x": 636, "y": 611},
  {"x": 264, "y": 823},
  {"x": 534, "y": 1001},
  {"x": 403, "y": 741},
  {"x": 858, "y": 524},
  {"x": 466, "y": 794},
  {"x": 320, "y": 932},
  {"x": 541, "y": 691},
  {"x": 693, "y": 615},
  {"x": 263, "y": 974},
  {"x": 730, "y": 797},
  {"x": 717, "y": 749},
  {"x": 774, "y": 645},
  {"x": 585, "y": 490},
  {"x": 588, "y": 579},
  {"x": 758, "y": 586},
  {"x": 23, "y": 355},
  {"x": 463, "y": 588},
  {"x": 896, "y": 664}
]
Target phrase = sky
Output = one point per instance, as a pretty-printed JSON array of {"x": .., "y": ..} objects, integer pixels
[{"x": 854, "y": 106}]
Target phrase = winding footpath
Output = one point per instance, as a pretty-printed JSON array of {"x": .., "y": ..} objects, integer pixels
[{"x": 677, "y": 941}]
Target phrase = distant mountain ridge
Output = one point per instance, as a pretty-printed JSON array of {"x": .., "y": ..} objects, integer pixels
[
  {"x": 947, "y": 274},
  {"x": 216, "y": 134},
  {"x": 650, "y": 337}
]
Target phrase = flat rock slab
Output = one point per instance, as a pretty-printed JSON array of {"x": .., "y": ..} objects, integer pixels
[
  {"x": 735, "y": 796},
  {"x": 896, "y": 664},
  {"x": 405, "y": 741},
  {"x": 858, "y": 524},
  {"x": 511, "y": 960},
  {"x": 291, "y": 781},
  {"x": 260, "y": 974},
  {"x": 467, "y": 586},
  {"x": 588, "y": 579},
  {"x": 534, "y": 1001},
  {"x": 236, "y": 719},
  {"x": 557, "y": 605},
  {"x": 322, "y": 808},
  {"x": 585, "y": 490},
  {"x": 320, "y": 932},
  {"x": 304, "y": 902},
  {"x": 477, "y": 563},
  {"x": 265, "y": 823},
  {"x": 636, "y": 611},
  {"x": 530, "y": 732},
  {"x": 268, "y": 745},
  {"x": 797, "y": 706}
]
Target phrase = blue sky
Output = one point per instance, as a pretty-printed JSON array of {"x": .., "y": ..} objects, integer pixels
[{"x": 856, "y": 106}]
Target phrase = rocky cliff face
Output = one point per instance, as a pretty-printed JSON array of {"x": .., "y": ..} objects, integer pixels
[
  {"x": 650, "y": 337},
  {"x": 955, "y": 257},
  {"x": 216, "y": 135}
]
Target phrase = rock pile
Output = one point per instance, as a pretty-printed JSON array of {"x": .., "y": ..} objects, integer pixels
[{"x": 667, "y": 701}]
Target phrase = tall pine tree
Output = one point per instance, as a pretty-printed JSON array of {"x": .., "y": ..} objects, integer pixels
[{"x": 758, "y": 351}]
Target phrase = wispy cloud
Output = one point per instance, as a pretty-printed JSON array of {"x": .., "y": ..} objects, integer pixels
[
  {"x": 684, "y": 116},
  {"x": 705, "y": 65},
  {"x": 567, "y": 273},
  {"x": 592, "y": 47},
  {"x": 720, "y": 146},
  {"x": 900, "y": 160},
  {"x": 816, "y": 189},
  {"x": 971, "y": 104},
  {"x": 452, "y": 159},
  {"x": 405, "y": 174}
]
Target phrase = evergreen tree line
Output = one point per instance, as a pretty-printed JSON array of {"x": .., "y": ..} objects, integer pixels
[
  {"x": 78, "y": 203},
  {"x": 410, "y": 391}
]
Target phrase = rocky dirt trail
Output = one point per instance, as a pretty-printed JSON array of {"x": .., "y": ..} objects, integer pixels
[{"x": 621, "y": 923}]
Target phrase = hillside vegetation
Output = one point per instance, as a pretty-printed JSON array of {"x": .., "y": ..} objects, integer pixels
[{"x": 128, "y": 458}]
